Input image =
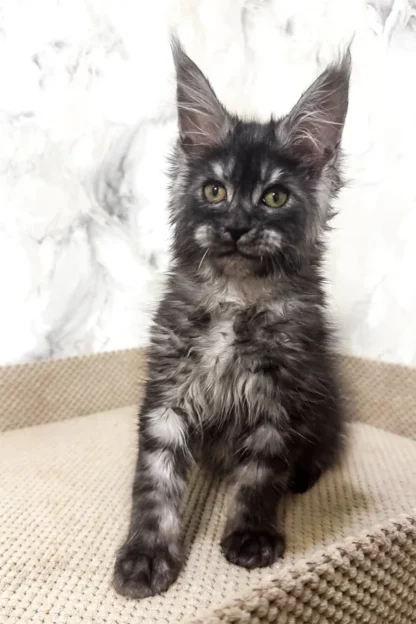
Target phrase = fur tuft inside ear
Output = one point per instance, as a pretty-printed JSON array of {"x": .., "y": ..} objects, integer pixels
[
  {"x": 314, "y": 126},
  {"x": 202, "y": 119}
]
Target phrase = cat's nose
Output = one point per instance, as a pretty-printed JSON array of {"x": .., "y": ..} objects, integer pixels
[{"x": 237, "y": 232}]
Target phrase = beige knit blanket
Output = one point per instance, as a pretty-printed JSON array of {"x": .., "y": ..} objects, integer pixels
[{"x": 65, "y": 495}]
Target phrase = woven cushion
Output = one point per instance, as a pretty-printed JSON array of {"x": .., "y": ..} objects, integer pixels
[{"x": 64, "y": 505}]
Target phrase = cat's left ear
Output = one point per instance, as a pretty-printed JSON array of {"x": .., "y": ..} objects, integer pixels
[
  {"x": 202, "y": 119},
  {"x": 314, "y": 126}
]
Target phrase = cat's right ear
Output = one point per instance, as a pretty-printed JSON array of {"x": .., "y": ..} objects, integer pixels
[{"x": 202, "y": 119}]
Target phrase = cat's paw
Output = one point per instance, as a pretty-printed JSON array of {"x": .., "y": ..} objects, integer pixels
[
  {"x": 141, "y": 572},
  {"x": 253, "y": 548}
]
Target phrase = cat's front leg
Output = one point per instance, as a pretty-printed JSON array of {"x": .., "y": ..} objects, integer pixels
[
  {"x": 251, "y": 537},
  {"x": 151, "y": 557}
]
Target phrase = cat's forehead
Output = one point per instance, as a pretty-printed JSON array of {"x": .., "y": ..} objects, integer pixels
[
  {"x": 251, "y": 153},
  {"x": 247, "y": 168},
  {"x": 223, "y": 168}
]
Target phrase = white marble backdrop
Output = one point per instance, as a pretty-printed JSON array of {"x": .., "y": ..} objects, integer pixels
[{"x": 87, "y": 115}]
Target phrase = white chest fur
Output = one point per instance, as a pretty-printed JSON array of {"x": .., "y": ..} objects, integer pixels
[{"x": 220, "y": 382}]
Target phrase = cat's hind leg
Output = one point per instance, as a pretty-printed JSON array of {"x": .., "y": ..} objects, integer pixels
[{"x": 314, "y": 460}]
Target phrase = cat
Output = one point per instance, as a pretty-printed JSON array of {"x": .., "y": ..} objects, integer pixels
[{"x": 242, "y": 375}]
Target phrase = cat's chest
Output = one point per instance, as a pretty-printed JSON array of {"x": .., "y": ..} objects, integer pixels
[
  {"x": 216, "y": 346},
  {"x": 233, "y": 331},
  {"x": 222, "y": 378}
]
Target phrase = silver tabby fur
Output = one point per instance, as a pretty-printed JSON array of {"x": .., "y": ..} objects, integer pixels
[{"x": 241, "y": 371}]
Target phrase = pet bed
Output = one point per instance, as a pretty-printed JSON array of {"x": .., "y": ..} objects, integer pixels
[{"x": 67, "y": 453}]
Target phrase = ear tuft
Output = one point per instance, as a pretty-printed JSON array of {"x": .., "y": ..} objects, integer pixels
[
  {"x": 315, "y": 125},
  {"x": 202, "y": 119}
]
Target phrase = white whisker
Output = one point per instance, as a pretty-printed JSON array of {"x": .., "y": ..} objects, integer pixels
[{"x": 202, "y": 259}]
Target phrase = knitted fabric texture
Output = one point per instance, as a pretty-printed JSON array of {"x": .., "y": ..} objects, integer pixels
[
  {"x": 49, "y": 391},
  {"x": 41, "y": 392},
  {"x": 64, "y": 507}
]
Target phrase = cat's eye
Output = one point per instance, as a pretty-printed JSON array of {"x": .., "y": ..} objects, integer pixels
[
  {"x": 275, "y": 197},
  {"x": 214, "y": 192}
]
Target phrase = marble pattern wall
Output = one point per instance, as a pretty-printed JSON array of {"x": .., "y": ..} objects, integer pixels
[{"x": 87, "y": 117}]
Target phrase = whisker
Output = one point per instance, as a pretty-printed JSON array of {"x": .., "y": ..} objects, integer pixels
[{"x": 203, "y": 258}]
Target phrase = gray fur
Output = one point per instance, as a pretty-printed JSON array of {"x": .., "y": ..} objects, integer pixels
[{"x": 241, "y": 371}]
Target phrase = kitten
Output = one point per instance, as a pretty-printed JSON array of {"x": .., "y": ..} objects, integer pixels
[{"x": 241, "y": 373}]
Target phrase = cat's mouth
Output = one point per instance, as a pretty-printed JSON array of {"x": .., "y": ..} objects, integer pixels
[{"x": 236, "y": 252}]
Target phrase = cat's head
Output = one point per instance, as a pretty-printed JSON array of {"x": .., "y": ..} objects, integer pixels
[{"x": 250, "y": 197}]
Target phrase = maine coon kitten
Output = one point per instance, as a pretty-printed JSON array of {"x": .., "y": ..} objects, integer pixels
[{"x": 241, "y": 374}]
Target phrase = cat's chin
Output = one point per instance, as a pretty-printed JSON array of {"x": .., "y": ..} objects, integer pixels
[{"x": 236, "y": 264}]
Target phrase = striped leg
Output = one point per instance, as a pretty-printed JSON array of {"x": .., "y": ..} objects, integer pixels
[
  {"x": 251, "y": 537},
  {"x": 150, "y": 559}
]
